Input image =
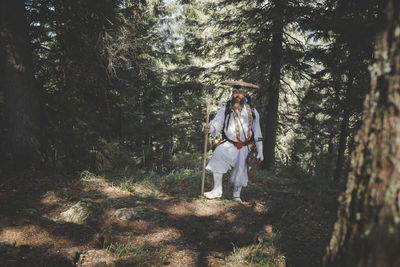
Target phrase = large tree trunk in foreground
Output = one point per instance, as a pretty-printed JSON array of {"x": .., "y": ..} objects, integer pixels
[
  {"x": 367, "y": 232},
  {"x": 18, "y": 84},
  {"x": 271, "y": 122}
]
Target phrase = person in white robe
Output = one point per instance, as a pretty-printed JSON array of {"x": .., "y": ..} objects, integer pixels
[{"x": 241, "y": 129}]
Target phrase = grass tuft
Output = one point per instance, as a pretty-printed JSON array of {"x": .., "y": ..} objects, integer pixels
[
  {"x": 138, "y": 256},
  {"x": 265, "y": 252}
]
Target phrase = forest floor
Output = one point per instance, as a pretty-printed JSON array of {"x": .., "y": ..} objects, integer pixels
[{"x": 284, "y": 221}]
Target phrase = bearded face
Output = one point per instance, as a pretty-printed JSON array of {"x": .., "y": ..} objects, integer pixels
[{"x": 238, "y": 98}]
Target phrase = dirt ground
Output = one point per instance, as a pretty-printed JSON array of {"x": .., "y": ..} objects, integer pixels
[{"x": 279, "y": 224}]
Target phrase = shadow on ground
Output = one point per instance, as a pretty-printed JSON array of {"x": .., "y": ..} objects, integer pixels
[{"x": 172, "y": 230}]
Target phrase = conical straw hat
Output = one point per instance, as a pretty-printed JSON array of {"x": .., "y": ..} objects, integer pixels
[{"x": 242, "y": 84}]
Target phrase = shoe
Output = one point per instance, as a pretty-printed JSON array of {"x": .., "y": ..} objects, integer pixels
[
  {"x": 238, "y": 199},
  {"x": 212, "y": 195},
  {"x": 236, "y": 193}
]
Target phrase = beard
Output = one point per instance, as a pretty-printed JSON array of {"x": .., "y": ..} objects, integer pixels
[{"x": 237, "y": 103}]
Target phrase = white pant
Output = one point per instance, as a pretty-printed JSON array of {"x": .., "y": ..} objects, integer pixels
[
  {"x": 227, "y": 155},
  {"x": 217, "y": 190}
]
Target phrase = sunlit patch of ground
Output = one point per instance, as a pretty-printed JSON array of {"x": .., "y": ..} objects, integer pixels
[
  {"x": 275, "y": 226},
  {"x": 14, "y": 234},
  {"x": 93, "y": 257},
  {"x": 199, "y": 207},
  {"x": 184, "y": 257}
]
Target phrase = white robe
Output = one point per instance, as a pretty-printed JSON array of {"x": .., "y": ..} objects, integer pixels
[{"x": 226, "y": 155}]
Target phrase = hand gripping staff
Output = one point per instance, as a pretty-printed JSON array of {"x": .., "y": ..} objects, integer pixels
[{"x": 205, "y": 145}]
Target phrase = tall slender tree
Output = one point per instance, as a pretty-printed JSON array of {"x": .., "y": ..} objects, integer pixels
[
  {"x": 271, "y": 122},
  {"x": 21, "y": 95},
  {"x": 367, "y": 232},
  {"x": 340, "y": 56}
]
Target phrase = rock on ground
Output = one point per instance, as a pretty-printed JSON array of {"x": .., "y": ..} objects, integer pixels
[{"x": 78, "y": 213}]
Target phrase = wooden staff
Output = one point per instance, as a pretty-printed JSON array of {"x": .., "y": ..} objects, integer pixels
[{"x": 205, "y": 145}]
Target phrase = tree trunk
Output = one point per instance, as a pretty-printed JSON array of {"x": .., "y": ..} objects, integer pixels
[
  {"x": 367, "y": 232},
  {"x": 271, "y": 122},
  {"x": 344, "y": 129},
  {"x": 342, "y": 146},
  {"x": 21, "y": 96},
  {"x": 329, "y": 158}
]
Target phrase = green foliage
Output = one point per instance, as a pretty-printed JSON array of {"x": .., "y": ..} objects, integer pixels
[
  {"x": 86, "y": 175},
  {"x": 110, "y": 156},
  {"x": 185, "y": 183},
  {"x": 265, "y": 252},
  {"x": 332, "y": 103},
  {"x": 123, "y": 83},
  {"x": 98, "y": 64},
  {"x": 258, "y": 257}
]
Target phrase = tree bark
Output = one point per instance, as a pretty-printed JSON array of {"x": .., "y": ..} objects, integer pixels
[
  {"x": 367, "y": 232},
  {"x": 21, "y": 95},
  {"x": 271, "y": 122}
]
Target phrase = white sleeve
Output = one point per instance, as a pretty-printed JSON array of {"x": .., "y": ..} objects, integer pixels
[
  {"x": 217, "y": 123},
  {"x": 256, "y": 126}
]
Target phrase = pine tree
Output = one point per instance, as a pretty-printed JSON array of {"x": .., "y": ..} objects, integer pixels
[
  {"x": 21, "y": 94},
  {"x": 341, "y": 56},
  {"x": 271, "y": 121}
]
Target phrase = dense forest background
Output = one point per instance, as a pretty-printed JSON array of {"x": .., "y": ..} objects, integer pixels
[
  {"x": 119, "y": 87},
  {"x": 107, "y": 76}
]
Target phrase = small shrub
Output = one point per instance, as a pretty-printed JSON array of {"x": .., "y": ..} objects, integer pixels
[{"x": 108, "y": 156}]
